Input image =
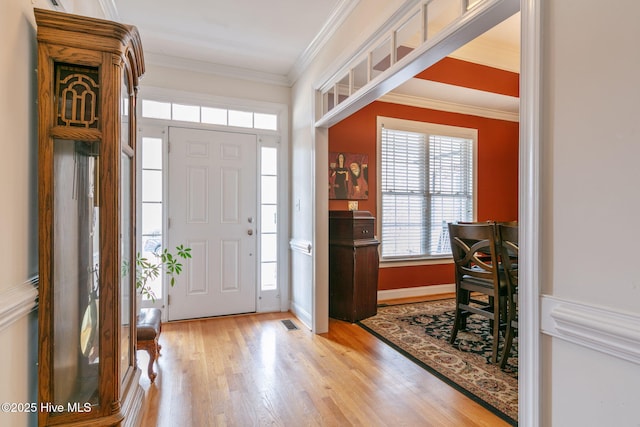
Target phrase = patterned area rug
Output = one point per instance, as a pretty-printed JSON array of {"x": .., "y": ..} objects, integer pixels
[{"x": 421, "y": 332}]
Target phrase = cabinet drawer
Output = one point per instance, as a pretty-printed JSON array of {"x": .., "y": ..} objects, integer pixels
[{"x": 362, "y": 230}]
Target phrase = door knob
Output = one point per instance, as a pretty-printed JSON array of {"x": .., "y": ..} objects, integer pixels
[{"x": 250, "y": 232}]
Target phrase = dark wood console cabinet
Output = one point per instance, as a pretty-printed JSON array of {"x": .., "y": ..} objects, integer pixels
[{"x": 353, "y": 265}]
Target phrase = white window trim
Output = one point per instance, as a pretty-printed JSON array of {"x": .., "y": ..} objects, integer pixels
[{"x": 429, "y": 128}]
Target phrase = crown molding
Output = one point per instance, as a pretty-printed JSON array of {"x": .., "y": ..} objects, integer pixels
[
  {"x": 109, "y": 9},
  {"x": 102, "y": 9},
  {"x": 335, "y": 20},
  {"x": 342, "y": 64},
  {"x": 216, "y": 69},
  {"x": 451, "y": 107}
]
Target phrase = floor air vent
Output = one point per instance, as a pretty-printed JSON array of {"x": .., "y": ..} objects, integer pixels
[{"x": 289, "y": 325}]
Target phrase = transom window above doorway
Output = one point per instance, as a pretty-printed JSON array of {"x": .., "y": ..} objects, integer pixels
[{"x": 208, "y": 115}]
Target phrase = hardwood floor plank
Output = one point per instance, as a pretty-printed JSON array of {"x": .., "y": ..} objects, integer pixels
[{"x": 252, "y": 371}]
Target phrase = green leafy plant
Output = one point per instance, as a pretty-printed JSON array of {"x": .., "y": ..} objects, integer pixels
[{"x": 148, "y": 270}]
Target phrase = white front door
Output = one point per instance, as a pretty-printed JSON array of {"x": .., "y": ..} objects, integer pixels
[{"x": 212, "y": 210}]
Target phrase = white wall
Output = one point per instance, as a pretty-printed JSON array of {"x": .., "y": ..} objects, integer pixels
[
  {"x": 309, "y": 192},
  {"x": 590, "y": 200},
  {"x": 18, "y": 210},
  {"x": 207, "y": 84}
]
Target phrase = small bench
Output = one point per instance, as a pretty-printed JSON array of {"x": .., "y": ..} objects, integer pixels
[{"x": 148, "y": 328}]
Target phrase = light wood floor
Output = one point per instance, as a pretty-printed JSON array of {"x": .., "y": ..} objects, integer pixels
[{"x": 251, "y": 371}]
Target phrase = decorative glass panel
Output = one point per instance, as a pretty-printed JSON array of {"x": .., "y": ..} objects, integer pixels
[
  {"x": 156, "y": 109},
  {"x": 329, "y": 100},
  {"x": 381, "y": 58},
  {"x": 241, "y": 119},
  {"x": 360, "y": 74},
  {"x": 214, "y": 116},
  {"x": 269, "y": 247},
  {"x": 269, "y": 189},
  {"x": 128, "y": 265},
  {"x": 269, "y": 223},
  {"x": 269, "y": 161},
  {"x": 152, "y": 185},
  {"x": 186, "y": 113},
  {"x": 265, "y": 121},
  {"x": 151, "y": 153},
  {"x": 269, "y": 276},
  {"x": 127, "y": 256},
  {"x": 342, "y": 88},
  {"x": 151, "y": 218},
  {"x": 441, "y": 13},
  {"x": 78, "y": 94},
  {"x": 409, "y": 36},
  {"x": 269, "y": 219},
  {"x": 76, "y": 240}
]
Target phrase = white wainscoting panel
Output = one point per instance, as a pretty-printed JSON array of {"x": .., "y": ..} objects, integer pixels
[
  {"x": 18, "y": 301},
  {"x": 598, "y": 328}
]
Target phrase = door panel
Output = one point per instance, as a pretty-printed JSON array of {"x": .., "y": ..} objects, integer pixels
[{"x": 212, "y": 206}]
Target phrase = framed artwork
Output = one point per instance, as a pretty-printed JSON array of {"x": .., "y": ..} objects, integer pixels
[{"x": 348, "y": 176}]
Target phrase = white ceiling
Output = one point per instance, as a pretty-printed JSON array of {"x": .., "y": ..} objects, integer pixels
[
  {"x": 257, "y": 35},
  {"x": 269, "y": 39}
]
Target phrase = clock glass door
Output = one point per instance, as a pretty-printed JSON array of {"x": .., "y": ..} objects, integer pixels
[{"x": 76, "y": 275}]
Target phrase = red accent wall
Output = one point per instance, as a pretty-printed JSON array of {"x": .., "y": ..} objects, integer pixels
[
  {"x": 475, "y": 76},
  {"x": 497, "y": 174}
]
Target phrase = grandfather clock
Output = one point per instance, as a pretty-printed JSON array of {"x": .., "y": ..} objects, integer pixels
[{"x": 88, "y": 71}]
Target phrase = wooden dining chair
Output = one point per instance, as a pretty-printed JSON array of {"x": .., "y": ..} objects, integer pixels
[
  {"x": 477, "y": 270},
  {"x": 509, "y": 260}
]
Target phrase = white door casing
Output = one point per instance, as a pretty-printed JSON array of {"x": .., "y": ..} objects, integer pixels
[{"x": 213, "y": 210}]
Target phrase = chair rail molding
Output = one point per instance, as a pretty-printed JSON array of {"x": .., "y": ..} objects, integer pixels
[
  {"x": 301, "y": 246},
  {"x": 599, "y": 328},
  {"x": 17, "y": 301}
]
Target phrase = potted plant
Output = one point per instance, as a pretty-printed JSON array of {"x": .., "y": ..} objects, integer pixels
[{"x": 148, "y": 270}]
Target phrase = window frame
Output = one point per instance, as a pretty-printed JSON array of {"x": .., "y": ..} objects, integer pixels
[{"x": 428, "y": 129}]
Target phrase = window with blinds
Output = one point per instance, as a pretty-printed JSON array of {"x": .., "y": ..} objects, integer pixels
[{"x": 426, "y": 181}]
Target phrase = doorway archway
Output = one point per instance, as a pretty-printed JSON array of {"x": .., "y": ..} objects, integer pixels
[{"x": 529, "y": 203}]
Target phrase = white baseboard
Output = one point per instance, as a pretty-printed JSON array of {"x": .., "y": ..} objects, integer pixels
[
  {"x": 598, "y": 328},
  {"x": 302, "y": 315},
  {"x": 419, "y": 291},
  {"x": 18, "y": 301}
]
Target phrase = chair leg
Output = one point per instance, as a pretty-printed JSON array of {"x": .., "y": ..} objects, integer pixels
[
  {"x": 460, "y": 319},
  {"x": 508, "y": 339},
  {"x": 495, "y": 326},
  {"x": 456, "y": 323},
  {"x": 153, "y": 353},
  {"x": 496, "y": 336},
  {"x": 512, "y": 324}
]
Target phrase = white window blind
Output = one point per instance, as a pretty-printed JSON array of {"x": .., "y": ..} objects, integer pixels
[{"x": 426, "y": 182}]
